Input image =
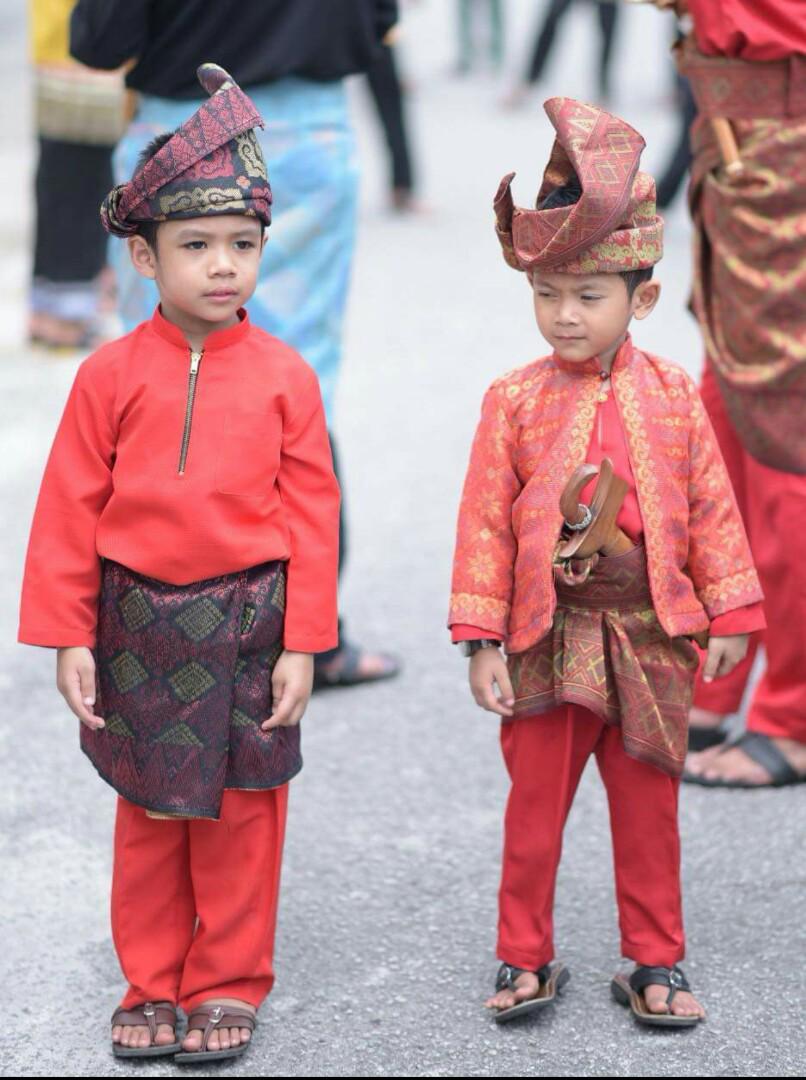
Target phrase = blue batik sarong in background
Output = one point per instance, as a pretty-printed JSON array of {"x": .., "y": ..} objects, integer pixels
[{"x": 310, "y": 153}]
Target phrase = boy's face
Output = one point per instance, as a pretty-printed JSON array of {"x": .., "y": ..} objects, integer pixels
[
  {"x": 205, "y": 268},
  {"x": 584, "y": 315}
]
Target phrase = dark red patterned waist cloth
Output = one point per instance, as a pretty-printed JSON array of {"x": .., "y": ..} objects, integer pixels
[
  {"x": 184, "y": 675},
  {"x": 743, "y": 89},
  {"x": 607, "y": 651}
]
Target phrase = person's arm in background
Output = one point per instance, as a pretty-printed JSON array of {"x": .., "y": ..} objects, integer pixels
[
  {"x": 386, "y": 16},
  {"x": 105, "y": 34}
]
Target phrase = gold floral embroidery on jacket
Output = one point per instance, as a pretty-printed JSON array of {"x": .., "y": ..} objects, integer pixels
[{"x": 535, "y": 428}]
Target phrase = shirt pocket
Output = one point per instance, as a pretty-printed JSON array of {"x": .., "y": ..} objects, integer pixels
[{"x": 249, "y": 454}]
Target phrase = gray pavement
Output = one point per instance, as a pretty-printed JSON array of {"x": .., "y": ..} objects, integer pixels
[{"x": 387, "y": 919}]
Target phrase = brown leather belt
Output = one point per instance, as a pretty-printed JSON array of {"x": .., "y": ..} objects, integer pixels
[{"x": 744, "y": 89}]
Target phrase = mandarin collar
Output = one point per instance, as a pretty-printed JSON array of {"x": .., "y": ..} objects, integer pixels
[
  {"x": 593, "y": 366},
  {"x": 218, "y": 339}
]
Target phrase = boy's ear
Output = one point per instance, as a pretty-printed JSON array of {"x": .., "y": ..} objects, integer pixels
[
  {"x": 144, "y": 259},
  {"x": 644, "y": 298}
]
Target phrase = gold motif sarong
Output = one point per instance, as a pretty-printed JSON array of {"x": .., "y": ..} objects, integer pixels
[
  {"x": 607, "y": 651},
  {"x": 750, "y": 247}
]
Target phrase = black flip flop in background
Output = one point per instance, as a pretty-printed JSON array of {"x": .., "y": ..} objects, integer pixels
[
  {"x": 348, "y": 672},
  {"x": 703, "y": 738},
  {"x": 762, "y": 750}
]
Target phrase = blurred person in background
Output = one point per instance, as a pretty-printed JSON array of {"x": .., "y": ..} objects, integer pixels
[
  {"x": 607, "y": 14},
  {"x": 388, "y": 95},
  {"x": 746, "y": 63},
  {"x": 679, "y": 162},
  {"x": 677, "y": 166},
  {"x": 468, "y": 16},
  {"x": 79, "y": 118},
  {"x": 291, "y": 56}
]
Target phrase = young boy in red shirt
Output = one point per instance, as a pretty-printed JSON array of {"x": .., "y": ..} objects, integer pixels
[
  {"x": 604, "y": 665},
  {"x": 183, "y": 558}
]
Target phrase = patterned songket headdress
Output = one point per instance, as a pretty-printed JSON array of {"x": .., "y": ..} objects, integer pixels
[
  {"x": 612, "y": 227},
  {"x": 211, "y": 165}
]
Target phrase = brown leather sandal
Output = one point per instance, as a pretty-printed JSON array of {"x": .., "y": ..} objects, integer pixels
[
  {"x": 206, "y": 1018},
  {"x": 149, "y": 1014}
]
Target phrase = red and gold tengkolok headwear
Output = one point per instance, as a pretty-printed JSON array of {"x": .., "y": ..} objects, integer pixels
[
  {"x": 612, "y": 227},
  {"x": 212, "y": 164}
]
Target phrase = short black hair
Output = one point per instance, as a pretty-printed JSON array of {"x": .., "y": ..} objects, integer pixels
[
  {"x": 633, "y": 278},
  {"x": 569, "y": 193},
  {"x": 148, "y": 229},
  {"x": 150, "y": 149},
  {"x": 566, "y": 195}
]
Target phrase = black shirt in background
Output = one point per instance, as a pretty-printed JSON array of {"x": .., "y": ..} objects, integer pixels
[{"x": 257, "y": 41}]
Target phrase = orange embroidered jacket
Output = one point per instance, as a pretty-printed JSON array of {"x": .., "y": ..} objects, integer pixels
[{"x": 535, "y": 428}]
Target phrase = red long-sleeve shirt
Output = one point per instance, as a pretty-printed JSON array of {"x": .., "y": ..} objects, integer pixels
[
  {"x": 749, "y": 29},
  {"x": 607, "y": 440},
  {"x": 258, "y": 481}
]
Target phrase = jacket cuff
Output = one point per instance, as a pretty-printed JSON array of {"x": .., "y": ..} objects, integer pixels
[
  {"x": 743, "y": 620},
  {"x": 472, "y": 609},
  {"x": 463, "y": 632}
]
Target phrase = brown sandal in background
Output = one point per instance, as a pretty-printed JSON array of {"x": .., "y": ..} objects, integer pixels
[{"x": 149, "y": 1014}]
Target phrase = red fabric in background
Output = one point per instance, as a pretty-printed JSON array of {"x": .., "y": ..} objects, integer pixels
[
  {"x": 749, "y": 29},
  {"x": 226, "y": 872},
  {"x": 773, "y": 505}
]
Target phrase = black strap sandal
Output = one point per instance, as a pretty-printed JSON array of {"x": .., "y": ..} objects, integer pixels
[
  {"x": 552, "y": 979},
  {"x": 629, "y": 991},
  {"x": 348, "y": 670},
  {"x": 703, "y": 738},
  {"x": 761, "y": 749}
]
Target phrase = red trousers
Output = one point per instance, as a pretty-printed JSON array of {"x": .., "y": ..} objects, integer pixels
[
  {"x": 545, "y": 756},
  {"x": 194, "y": 903},
  {"x": 773, "y": 505}
]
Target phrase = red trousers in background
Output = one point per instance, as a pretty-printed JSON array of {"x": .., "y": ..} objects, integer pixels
[
  {"x": 545, "y": 756},
  {"x": 773, "y": 505},
  {"x": 226, "y": 873}
]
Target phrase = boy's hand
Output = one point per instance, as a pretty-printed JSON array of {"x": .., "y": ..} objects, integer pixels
[
  {"x": 291, "y": 685},
  {"x": 75, "y": 678},
  {"x": 488, "y": 667},
  {"x": 724, "y": 653}
]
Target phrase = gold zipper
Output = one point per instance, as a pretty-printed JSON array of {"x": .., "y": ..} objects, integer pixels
[{"x": 195, "y": 360}]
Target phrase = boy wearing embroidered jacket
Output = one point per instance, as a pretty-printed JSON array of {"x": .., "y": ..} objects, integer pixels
[
  {"x": 604, "y": 667},
  {"x": 187, "y": 532}
]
